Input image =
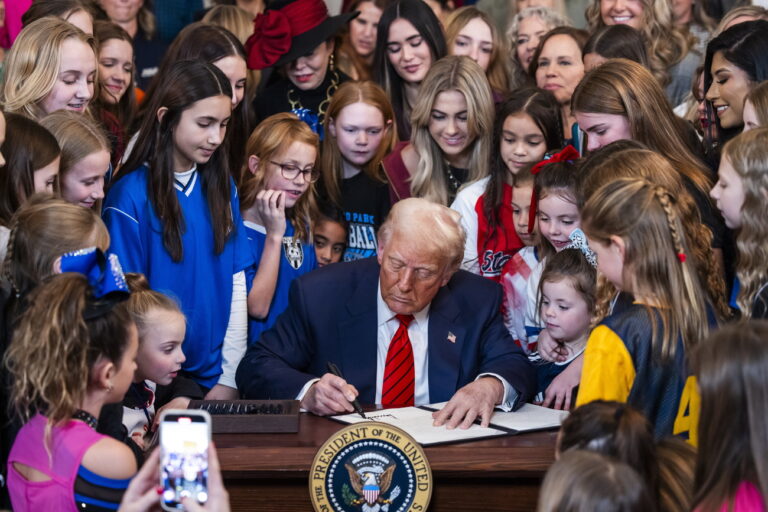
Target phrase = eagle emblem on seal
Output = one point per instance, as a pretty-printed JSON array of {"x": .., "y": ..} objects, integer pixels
[{"x": 371, "y": 476}]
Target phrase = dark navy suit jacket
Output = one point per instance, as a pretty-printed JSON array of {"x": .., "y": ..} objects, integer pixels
[{"x": 332, "y": 316}]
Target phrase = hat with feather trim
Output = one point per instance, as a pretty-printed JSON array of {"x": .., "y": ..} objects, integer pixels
[{"x": 288, "y": 29}]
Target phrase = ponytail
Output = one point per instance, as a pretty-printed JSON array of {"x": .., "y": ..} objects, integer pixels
[{"x": 55, "y": 348}]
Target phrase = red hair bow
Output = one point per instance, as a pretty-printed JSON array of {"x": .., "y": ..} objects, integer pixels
[
  {"x": 567, "y": 154},
  {"x": 271, "y": 39}
]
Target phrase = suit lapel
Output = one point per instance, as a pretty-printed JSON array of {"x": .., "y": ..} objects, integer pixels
[
  {"x": 358, "y": 337},
  {"x": 446, "y": 339}
]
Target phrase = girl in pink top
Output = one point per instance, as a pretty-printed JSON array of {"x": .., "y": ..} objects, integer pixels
[
  {"x": 732, "y": 467},
  {"x": 73, "y": 351}
]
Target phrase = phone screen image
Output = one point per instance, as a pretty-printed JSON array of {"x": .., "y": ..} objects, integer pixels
[{"x": 184, "y": 460}]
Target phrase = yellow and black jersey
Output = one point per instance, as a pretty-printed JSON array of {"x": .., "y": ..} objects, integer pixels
[{"x": 621, "y": 364}]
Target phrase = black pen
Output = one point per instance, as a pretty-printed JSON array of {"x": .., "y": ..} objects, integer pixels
[{"x": 335, "y": 370}]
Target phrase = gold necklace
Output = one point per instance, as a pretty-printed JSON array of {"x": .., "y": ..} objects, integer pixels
[{"x": 323, "y": 106}]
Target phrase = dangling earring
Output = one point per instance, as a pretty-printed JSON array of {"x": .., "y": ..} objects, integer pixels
[{"x": 331, "y": 63}]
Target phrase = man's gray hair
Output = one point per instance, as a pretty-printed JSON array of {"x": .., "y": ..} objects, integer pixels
[{"x": 429, "y": 224}]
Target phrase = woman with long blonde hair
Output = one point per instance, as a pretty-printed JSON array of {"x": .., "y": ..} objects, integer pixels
[
  {"x": 672, "y": 61},
  {"x": 741, "y": 192},
  {"x": 451, "y": 125},
  {"x": 359, "y": 131},
  {"x": 471, "y": 32},
  {"x": 51, "y": 66}
]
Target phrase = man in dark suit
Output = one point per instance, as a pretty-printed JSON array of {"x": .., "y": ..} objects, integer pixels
[{"x": 357, "y": 314}]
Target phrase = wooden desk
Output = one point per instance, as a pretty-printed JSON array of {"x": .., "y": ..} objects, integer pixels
[{"x": 270, "y": 472}]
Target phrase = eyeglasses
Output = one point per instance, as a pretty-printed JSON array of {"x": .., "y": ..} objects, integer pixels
[{"x": 291, "y": 171}]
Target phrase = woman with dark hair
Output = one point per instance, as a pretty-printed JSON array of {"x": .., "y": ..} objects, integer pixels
[
  {"x": 615, "y": 42},
  {"x": 409, "y": 40},
  {"x": 116, "y": 105},
  {"x": 217, "y": 46},
  {"x": 31, "y": 164},
  {"x": 357, "y": 44},
  {"x": 558, "y": 66},
  {"x": 737, "y": 60},
  {"x": 731, "y": 471},
  {"x": 173, "y": 215},
  {"x": 137, "y": 19},
  {"x": 74, "y": 11},
  {"x": 293, "y": 42}
]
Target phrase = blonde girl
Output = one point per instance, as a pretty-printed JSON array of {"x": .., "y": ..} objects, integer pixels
[
  {"x": 277, "y": 207},
  {"x": 52, "y": 66},
  {"x": 672, "y": 62},
  {"x": 360, "y": 130},
  {"x": 755, "y": 112},
  {"x": 41, "y": 231},
  {"x": 73, "y": 351},
  {"x": 85, "y": 157},
  {"x": 740, "y": 192},
  {"x": 231, "y": 17},
  {"x": 451, "y": 124},
  {"x": 156, "y": 384},
  {"x": 627, "y": 159},
  {"x": 640, "y": 355},
  {"x": 471, "y": 32}
]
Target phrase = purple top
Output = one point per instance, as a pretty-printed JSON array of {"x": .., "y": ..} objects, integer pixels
[{"x": 68, "y": 445}]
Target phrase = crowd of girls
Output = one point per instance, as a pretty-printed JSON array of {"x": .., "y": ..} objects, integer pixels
[{"x": 260, "y": 145}]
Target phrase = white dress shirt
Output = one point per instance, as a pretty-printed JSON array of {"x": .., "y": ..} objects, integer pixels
[
  {"x": 418, "y": 331},
  {"x": 386, "y": 327}
]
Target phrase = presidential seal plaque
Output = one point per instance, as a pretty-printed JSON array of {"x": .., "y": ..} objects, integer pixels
[{"x": 370, "y": 467}]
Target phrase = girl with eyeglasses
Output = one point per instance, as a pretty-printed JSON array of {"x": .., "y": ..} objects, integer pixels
[{"x": 277, "y": 205}]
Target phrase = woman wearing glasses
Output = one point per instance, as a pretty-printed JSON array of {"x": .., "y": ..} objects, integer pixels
[{"x": 277, "y": 203}]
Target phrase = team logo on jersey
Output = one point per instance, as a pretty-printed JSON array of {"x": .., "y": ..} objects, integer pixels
[
  {"x": 293, "y": 252},
  {"x": 370, "y": 467},
  {"x": 492, "y": 262}
]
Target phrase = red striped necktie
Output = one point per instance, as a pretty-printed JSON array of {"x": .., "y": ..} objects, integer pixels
[{"x": 399, "y": 375}]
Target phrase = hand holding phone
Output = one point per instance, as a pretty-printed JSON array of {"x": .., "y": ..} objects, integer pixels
[
  {"x": 143, "y": 494},
  {"x": 185, "y": 436}
]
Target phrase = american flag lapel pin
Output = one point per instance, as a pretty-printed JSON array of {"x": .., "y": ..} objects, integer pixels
[{"x": 451, "y": 337}]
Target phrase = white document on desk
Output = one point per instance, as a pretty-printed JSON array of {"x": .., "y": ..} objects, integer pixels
[
  {"x": 417, "y": 423},
  {"x": 527, "y": 418}
]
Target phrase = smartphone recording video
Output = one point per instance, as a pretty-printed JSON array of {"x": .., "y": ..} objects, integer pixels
[{"x": 184, "y": 439}]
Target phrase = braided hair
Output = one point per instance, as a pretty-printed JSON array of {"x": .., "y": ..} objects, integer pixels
[{"x": 656, "y": 267}]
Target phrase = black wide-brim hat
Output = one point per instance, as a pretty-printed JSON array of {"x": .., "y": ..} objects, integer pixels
[{"x": 289, "y": 29}]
